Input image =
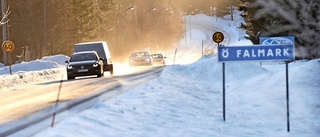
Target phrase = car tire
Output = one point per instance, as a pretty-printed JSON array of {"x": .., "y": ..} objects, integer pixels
[
  {"x": 111, "y": 72},
  {"x": 70, "y": 77},
  {"x": 111, "y": 69},
  {"x": 101, "y": 73}
]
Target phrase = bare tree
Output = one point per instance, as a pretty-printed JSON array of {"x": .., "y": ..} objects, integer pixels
[{"x": 5, "y": 19}]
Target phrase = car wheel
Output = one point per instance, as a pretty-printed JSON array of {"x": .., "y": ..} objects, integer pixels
[
  {"x": 100, "y": 74},
  {"x": 70, "y": 77},
  {"x": 111, "y": 71}
]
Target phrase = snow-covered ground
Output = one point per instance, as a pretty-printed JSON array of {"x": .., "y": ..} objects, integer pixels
[{"x": 186, "y": 100}]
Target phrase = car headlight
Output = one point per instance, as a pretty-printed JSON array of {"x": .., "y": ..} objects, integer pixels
[
  {"x": 95, "y": 65},
  {"x": 69, "y": 67}
]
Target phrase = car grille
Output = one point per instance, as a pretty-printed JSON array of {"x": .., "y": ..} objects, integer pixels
[
  {"x": 140, "y": 60},
  {"x": 82, "y": 66}
]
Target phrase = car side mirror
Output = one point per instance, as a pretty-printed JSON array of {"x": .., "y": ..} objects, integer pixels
[{"x": 101, "y": 58}]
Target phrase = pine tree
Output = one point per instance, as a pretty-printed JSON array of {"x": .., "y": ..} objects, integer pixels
[
  {"x": 54, "y": 26},
  {"x": 85, "y": 23},
  {"x": 286, "y": 17},
  {"x": 251, "y": 25}
]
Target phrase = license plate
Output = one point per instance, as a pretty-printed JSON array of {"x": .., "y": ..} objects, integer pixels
[{"x": 83, "y": 70}]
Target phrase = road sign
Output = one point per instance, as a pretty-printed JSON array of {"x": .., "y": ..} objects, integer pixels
[
  {"x": 256, "y": 53},
  {"x": 281, "y": 40},
  {"x": 217, "y": 37},
  {"x": 7, "y": 46}
]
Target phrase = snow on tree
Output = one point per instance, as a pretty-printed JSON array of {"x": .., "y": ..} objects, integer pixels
[{"x": 299, "y": 18}]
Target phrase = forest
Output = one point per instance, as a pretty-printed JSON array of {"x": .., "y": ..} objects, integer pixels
[
  {"x": 41, "y": 28},
  {"x": 298, "y": 18}
]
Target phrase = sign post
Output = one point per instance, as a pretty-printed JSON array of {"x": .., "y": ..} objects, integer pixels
[
  {"x": 282, "y": 40},
  {"x": 287, "y": 97},
  {"x": 8, "y": 47},
  {"x": 280, "y": 52},
  {"x": 218, "y": 37}
]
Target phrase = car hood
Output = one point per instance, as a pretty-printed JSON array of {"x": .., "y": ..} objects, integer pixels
[
  {"x": 142, "y": 57},
  {"x": 87, "y": 62},
  {"x": 157, "y": 59}
]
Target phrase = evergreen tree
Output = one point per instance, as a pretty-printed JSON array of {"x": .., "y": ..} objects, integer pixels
[
  {"x": 85, "y": 23},
  {"x": 286, "y": 17},
  {"x": 53, "y": 26},
  {"x": 252, "y": 26}
]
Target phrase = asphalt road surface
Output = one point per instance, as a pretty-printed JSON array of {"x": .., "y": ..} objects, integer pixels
[{"x": 35, "y": 103}]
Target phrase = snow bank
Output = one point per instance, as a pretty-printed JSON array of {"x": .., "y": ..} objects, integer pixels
[
  {"x": 43, "y": 69},
  {"x": 208, "y": 69},
  {"x": 40, "y": 64},
  {"x": 186, "y": 100}
]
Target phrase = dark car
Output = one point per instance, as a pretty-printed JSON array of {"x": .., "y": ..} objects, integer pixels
[
  {"x": 158, "y": 59},
  {"x": 139, "y": 58},
  {"x": 101, "y": 47},
  {"x": 84, "y": 64}
]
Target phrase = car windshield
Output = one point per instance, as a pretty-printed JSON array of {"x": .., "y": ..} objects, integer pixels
[
  {"x": 139, "y": 54},
  {"x": 83, "y": 57}
]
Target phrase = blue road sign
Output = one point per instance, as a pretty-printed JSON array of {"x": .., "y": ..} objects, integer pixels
[
  {"x": 281, "y": 40},
  {"x": 256, "y": 53}
]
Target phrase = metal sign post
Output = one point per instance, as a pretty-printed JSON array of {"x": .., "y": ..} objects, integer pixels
[
  {"x": 281, "y": 52},
  {"x": 4, "y": 30},
  {"x": 218, "y": 37},
  {"x": 223, "y": 91},
  {"x": 8, "y": 47},
  {"x": 174, "y": 58},
  {"x": 287, "y": 96},
  {"x": 281, "y": 40}
]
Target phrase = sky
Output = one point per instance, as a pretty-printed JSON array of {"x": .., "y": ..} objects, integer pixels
[{"x": 186, "y": 99}]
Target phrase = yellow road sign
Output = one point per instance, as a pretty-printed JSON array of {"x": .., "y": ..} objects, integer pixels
[
  {"x": 217, "y": 37},
  {"x": 7, "y": 46}
]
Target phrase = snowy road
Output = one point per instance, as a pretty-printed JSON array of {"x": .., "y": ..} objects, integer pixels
[
  {"x": 28, "y": 100},
  {"x": 185, "y": 100}
]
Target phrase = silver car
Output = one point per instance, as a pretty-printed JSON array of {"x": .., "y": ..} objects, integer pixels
[
  {"x": 139, "y": 58},
  {"x": 158, "y": 59}
]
